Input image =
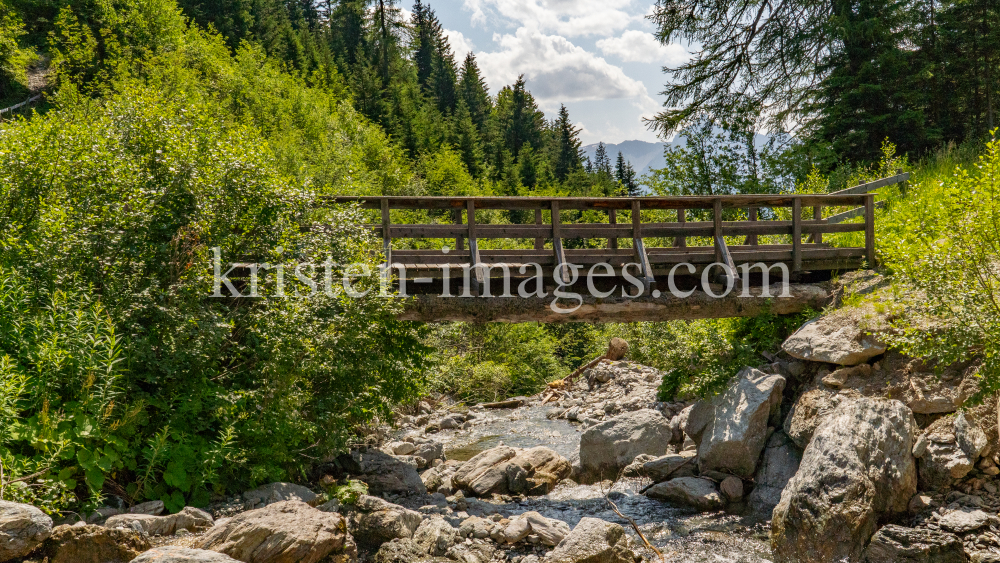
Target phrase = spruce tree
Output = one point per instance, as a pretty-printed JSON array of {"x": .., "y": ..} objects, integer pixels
[
  {"x": 473, "y": 91},
  {"x": 625, "y": 175},
  {"x": 568, "y": 145}
]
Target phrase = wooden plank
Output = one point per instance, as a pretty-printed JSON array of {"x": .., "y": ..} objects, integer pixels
[
  {"x": 871, "y": 186},
  {"x": 539, "y": 241},
  {"x": 752, "y": 217},
  {"x": 386, "y": 237},
  {"x": 613, "y": 220},
  {"x": 870, "y": 230},
  {"x": 677, "y": 202},
  {"x": 717, "y": 227},
  {"x": 647, "y": 272},
  {"x": 681, "y": 241},
  {"x": 796, "y": 236},
  {"x": 477, "y": 272},
  {"x": 853, "y": 213},
  {"x": 817, "y": 236},
  {"x": 557, "y": 248},
  {"x": 459, "y": 241},
  {"x": 726, "y": 258}
]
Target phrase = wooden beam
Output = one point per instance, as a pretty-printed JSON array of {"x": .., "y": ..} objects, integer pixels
[
  {"x": 752, "y": 217},
  {"x": 864, "y": 188},
  {"x": 726, "y": 258},
  {"x": 817, "y": 237},
  {"x": 539, "y": 241},
  {"x": 613, "y": 220},
  {"x": 870, "y": 230},
  {"x": 853, "y": 213},
  {"x": 477, "y": 271},
  {"x": 681, "y": 241},
  {"x": 557, "y": 248},
  {"x": 796, "y": 236},
  {"x": 386, "y": 236},
  {"x": 717, "y": 227},
  {"x": 459, "y": 241}
]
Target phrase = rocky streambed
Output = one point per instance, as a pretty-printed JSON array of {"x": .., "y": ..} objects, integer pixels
[{"x": 835, "y": 449}]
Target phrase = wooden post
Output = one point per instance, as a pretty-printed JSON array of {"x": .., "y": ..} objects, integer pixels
[
  {"x": 557, "y": 249},
  {"x": 539, "y": 241},
  {"x": 477, "y": 277},
  {"x": 870, "y": 230},
  {"x": 613, "y": 220},
  {"x": 817, "y": 216},
  {"x": 717, "y": 227},
  {"x": 459, "y": 241},
  {"x": 902, "y": 185},
  {"x": 796, "y": 234},
  {"x": 639, "y": 249},
  {"x": 752, "y": 238},
  {"x": 386, "y": 238},
  {"x": 681, "y": 241}
]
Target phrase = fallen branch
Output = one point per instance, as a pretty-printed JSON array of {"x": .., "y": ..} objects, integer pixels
[{"x": 635, "y": 526}]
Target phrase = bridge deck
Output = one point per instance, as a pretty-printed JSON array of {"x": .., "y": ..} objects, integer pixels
[{"x": 655, "y": 234}]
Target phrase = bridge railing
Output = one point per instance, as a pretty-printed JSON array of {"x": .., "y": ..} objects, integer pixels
[{"x": 758, "y": 245}]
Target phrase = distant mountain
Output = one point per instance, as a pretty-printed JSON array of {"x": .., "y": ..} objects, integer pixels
[{"x": 643, "y": 155}]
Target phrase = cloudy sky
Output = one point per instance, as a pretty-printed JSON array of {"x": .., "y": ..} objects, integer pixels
[{"x": 596, "y": 56}]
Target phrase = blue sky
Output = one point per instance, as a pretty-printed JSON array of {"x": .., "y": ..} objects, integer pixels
[{"x": 596, "y": 56}]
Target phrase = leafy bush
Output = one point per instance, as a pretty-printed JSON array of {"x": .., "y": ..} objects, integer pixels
[
  {"x": 492, "y": 361},
  {"x": 138, "y": 383}
]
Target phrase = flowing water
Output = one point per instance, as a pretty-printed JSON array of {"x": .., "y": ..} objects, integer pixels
[{"x": 681, "y": 534}]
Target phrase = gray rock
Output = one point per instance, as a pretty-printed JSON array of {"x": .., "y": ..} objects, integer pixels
[
  {"x": 278, "y": 492},
  {"x": 856, "y": 470},
  {"x": 91, "y": 544},
  {"x": 176, "y": 554},
  {"x": 404, "y": 551},
  {"x": 964, "y": 520},
  {"x": 283, "y": 532},
  {"x": 833, "y": 339},
  {"x": 505, "y": 470},
  {"x": 153, "y": 508},
  {"x": 189, "y": 518},
  {"x": 670, "y": 466},
  {"x": 435, "y": 536},
  {"x": 385, "y": 474},
  {"x": 476, "y": 527},
  {"x": 608, "y": 447},
  {"x": 478, "y": 551},
  {"x": 22, "y": 528},
  {"x": 808, "y": 411},
  {"x": 780, "y": 462},
  {"x": 102, "y": 514},
  {"x": 374, "y": 521},
  {"x": 896, "y": 544},
  {"x": 731, "y": 488},
  {"x": 948, "y": 450},
  {"x": 485, "y": 472},
  {"x": 695, "y": 492},
  {"x": 549, "y": 530},
  {"x": 731, "y": 428},
  {"x": 401, "y": 448},
  {"x": 593, "y": 541}
]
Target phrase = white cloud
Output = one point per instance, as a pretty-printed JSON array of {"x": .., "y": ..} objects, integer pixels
[
  {"x": 460, "y": 45},
  {"x": 569, "y": 18},
  {"x": 556, "y": 70},
  {"x": 639, "y": 46}
]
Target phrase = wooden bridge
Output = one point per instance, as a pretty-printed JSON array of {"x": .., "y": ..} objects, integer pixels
[{"x": 655, "y": 236}]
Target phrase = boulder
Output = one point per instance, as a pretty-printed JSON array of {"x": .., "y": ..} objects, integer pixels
[
  {"x": 153, "y": 508},
  {"x": 780, "y": 462},
  {"x": 284, "y": 532},
  {"x": 189, "y": 518},
  {"x": 435, "y": 536},
  {"x": 670, "y": 466},
  {"x": 476, "y": 551},
  {"x": 92, "y": 544},
  {"x": 383, "y": 473},
  {"x": 732, "y": 488},
  {"x": 505, "y": 470},
  {"x": 373, "y": 521},
  {"x": 593, "y": 541},
  {"x": 948, "y": 450},
  {"x": 809, "y": 410},
  {"x": 963, "y": 520},
  {"x": 278, "y": 492},
  {"x": 731, "y": 428},
  {"x": 401, "y": 448},
  {"x": 404, "y": 551},
  {"x": 695, "y": 492},
  {"x": 857, "y": 469},
  {"x": 22, "y": 528},
  {"x": 608, "y": 447},
  {"x": 834, "y": 339},
  {"x": 549, "y": 531},
  {"x": 896, "y": 544},
  {"x": 177, "y": 554}
]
